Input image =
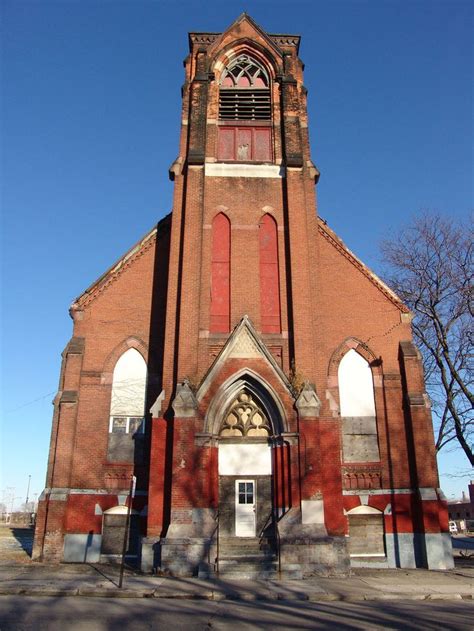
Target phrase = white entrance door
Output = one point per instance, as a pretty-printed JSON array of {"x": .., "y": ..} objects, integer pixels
[{"x": 245, "y": 502}]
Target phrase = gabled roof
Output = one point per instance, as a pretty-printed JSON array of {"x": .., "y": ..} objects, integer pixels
[
  {"x": 274, "y": 39},
  {"x": 341, "y": 247},
  {"x": 244, "y": 17},
  {"x": 119, "y": 266},
  {"x": 243, "y": 342}
]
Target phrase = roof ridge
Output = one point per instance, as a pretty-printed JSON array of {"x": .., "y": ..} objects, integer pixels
[
  {"x": 116, "y": 269},
  {"x": 339, "y": 244}
]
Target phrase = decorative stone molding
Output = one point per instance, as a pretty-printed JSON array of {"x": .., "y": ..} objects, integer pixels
[
  {"x": 308, "y": 403},
  {"x": 362, "y": 476},
  {"x": 184, "y": 404}
]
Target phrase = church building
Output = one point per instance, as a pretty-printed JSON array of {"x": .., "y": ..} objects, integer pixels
[{"x": 239, "y": 388}]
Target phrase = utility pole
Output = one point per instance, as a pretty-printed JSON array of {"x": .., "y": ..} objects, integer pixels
[{"x": 27, "y": 493}]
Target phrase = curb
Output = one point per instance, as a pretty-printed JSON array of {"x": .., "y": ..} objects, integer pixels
[{"x": 219, "y": 596}]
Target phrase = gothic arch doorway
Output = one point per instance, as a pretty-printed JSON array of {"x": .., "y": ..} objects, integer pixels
[{"x": 246, "y": 433}]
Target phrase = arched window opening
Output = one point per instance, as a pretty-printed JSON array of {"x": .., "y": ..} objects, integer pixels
[
  {"x": 356, "y": 388},
  {"x": 357, "y": 409},
  {"x": 269, "y": 276},
  {"x": 220, "y": 275},
  {"x": 245, "y": 112},
  {"x": 245, "y": 417},
  {"x": 127, "y": 407},
  {"x": 244, "y": 91}
]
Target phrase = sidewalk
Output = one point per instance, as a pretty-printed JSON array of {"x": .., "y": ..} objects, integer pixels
[
  {"x": 20, "y": 575},
  {"x": 36, "y": 579}
]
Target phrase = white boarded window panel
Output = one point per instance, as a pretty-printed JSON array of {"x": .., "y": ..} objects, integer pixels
[
  {"x": 356, "y": 389},
  {"x": 129, "y": 385},
  {"x": 235, "y": 459}
]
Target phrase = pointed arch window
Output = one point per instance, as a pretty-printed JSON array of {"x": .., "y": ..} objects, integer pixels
[
  {"x": 357, "y": 407},
  {"x": 245, "y": 91},
  {"x": 245, "y": 112},
  {"x": 269, "y": 276},
  {"x": 220, "y": 275},
  {"x": 127, "y": 404}
]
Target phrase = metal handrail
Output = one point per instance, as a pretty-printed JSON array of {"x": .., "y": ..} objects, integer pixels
[
  {"x": 216, "y": 533},
  {"x": 274, "y": 522},
  {"x": 277, "y": 530}
]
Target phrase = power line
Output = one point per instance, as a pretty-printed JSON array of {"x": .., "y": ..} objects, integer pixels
[{"x": 24, "y": 405}]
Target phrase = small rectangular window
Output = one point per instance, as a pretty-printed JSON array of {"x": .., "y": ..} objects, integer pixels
[
  {"x": 127, "y": 425},
  {"x": 119, "y": 425},
  {"x": 136, "y": 425}
]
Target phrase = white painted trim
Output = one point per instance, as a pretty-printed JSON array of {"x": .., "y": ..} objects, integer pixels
[{"x": 222, "y": 169}]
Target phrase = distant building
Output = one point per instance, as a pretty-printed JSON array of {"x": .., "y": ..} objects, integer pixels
[
  {"x": 463, "y": 509},
  {"x": 255, "y": 376}
]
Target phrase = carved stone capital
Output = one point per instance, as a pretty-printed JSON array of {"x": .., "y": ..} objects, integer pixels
[{"x": 308, "y": 403}]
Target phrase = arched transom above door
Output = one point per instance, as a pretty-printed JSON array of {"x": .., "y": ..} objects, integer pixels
[{"x": 245, "y": 417}]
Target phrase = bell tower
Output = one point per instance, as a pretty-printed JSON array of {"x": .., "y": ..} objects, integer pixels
[
  {"x": 244, "y": 202},
  {"x": 241, "y": 248}
]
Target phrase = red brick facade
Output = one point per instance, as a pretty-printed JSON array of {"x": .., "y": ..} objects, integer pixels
[{"x": 243, "y": 286}]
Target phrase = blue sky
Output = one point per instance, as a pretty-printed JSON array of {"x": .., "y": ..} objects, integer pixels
[{"x": 90, "y": 117}]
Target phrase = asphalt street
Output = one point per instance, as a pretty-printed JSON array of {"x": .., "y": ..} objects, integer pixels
[{"x": 21, "y": 613}]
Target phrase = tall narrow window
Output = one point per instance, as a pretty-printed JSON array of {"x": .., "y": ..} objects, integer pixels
[
  {"x": 269, "y": 276},
  {"x": 127, "y": 405},
  {"x": 357, "y": 405},
  {"x": 245, "y": 112},
  {"x": 220, "y": 275}
]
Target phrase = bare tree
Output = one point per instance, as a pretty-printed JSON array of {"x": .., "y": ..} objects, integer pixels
[{"x": 430, "y": 266}]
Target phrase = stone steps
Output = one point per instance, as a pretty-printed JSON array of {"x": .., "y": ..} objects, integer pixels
[{"x": 248, "y": 558}]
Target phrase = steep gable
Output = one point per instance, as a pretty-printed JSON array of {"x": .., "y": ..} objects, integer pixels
[{"x": 336, "y": 242}]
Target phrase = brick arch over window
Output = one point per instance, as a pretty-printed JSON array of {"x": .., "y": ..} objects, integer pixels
[
  {"x": 350, "y": 343},
  {"x": 220, "y": 275},
  {"x": 270, "y": 312},
  {"x": 263, "y": 56},
  {"x": 249, "y": 382},
  {"x": 130, "y": 342},
  {"x": 353, "y": 392}
]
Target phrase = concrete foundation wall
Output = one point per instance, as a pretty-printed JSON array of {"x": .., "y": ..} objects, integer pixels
[{"x": 82, "y": 548}]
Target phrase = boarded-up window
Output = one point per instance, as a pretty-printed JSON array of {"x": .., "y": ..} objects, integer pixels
[
  {"x": 357, "y": 405},
  {"x": 220, "y": 275},
  {"x": 244, "y": 144},
  {"x": 113, "y": 534},
  {"x": 366, "y": 535},
  {"x": 269, "y": 276}
]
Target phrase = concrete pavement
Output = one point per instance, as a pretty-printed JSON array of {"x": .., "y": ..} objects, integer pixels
[
  {"x": 20, "y": 576},
  {"x": 363, "y": 585}
]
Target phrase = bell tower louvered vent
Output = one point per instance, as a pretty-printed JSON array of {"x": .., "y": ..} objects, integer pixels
[{"x": 244, "y": 92}]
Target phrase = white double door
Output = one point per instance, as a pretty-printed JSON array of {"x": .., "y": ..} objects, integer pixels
[{"x": 245, "y": 508}]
